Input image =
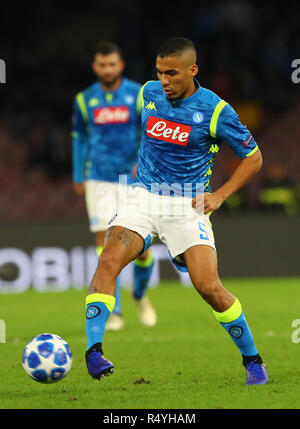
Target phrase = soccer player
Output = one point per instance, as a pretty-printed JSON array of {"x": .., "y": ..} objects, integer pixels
[
  {"x": 183, "y": 126},
  {"x": 106, "y": 123}
]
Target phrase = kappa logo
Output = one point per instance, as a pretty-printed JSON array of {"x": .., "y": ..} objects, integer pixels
[
  {"x": 214, "y": 148},
  {"x": 168, "y": 131},
  {"x": 236, "y": 331},
  {"x": 151, "y": 106},
  {"x": 93, "y": 102}
]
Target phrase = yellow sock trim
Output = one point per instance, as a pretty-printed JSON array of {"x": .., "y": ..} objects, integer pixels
[
  {"x": 146, "y": 263},
  {"x": 99, "y": 250},
  {"x": 231, "y": 314},
  {"x": 108, "y": 300}
]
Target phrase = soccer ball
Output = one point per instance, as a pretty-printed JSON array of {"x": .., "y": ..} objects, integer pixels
[{"x": 47, "y": 358}]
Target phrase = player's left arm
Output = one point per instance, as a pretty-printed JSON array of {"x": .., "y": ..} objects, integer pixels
[{"x": 229, "y": 129}]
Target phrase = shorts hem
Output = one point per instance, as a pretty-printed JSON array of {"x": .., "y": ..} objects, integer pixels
[
  {"x": 181, "y": 266},
  {"x": 147, "y": 238},
  {"x": 98, "y": 229}
]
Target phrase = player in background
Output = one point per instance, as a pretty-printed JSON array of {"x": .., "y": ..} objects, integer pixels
[
  {"x": 106, "y": 127},
  {"x": 183, "y": 126}
]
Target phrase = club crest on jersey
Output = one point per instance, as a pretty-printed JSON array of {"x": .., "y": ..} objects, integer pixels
[
  {"x": 111, "y": 115},
  {"x": 129, "y": 99},
  {"x": 198, "y": 117},
  {"x": 168, "y": 131}
]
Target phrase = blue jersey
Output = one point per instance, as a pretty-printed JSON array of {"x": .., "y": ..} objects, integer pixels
[
  {"x": 105, "y": 132},
  {"x": 181, "y": 138}
]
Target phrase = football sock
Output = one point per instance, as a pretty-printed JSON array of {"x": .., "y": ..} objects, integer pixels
[
  {"x": 117, "y": 308},
  {"x": 142, "y": 274},
  {"x": 98, "y": 308},
  {"x": 99, "y": 250},
  {"x": 235, "y": 323}
]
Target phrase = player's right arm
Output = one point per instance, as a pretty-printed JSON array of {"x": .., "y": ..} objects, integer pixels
[
  {"x": 226, "y": 126},
  {"x": 248, "y": 167},
  {"x": 79, "y": 143},
  {"x": 238, "y": 137}
]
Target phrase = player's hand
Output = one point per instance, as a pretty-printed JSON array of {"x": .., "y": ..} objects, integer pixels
[
  {"x": 79, "y": 188},
  {"x": 134, "y": 170},
  {"x": 207, "y": 202}
]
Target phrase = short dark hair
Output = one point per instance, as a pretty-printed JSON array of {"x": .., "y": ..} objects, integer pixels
[
  {"x": 175, "y": 45},
  {"x": 105, "y": 48}
]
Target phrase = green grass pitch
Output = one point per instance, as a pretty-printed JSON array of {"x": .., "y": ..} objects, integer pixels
[{"x": 187, "y": 361}]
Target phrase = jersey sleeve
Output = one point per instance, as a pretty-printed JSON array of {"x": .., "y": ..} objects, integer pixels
[
  {"x": 79, "y": 118},
  {"x": 139, "y": 108},
  {"x": 140, "y": 98},
  {"x": 226, "y": 126},
  {"x": 139, "y": 102},
  {"x": 79, "y": 142}
]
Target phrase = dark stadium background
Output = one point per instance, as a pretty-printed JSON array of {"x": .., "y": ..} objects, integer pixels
[{"x": 246, "y": 49}]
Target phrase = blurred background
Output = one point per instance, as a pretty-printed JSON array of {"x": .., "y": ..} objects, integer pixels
[{"x": 246, "y": 49}]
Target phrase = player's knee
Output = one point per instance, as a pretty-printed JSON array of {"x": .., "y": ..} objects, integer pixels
[{"x": 208, "y": 288}]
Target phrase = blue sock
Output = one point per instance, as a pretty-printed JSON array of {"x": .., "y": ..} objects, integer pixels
[
  {"x": 235, "y": 323},
  {"x": 98, "y": 308},
  {"x": 117, "y": 308},
  {"x": 142, "y": 274}
]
